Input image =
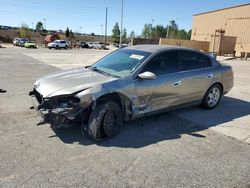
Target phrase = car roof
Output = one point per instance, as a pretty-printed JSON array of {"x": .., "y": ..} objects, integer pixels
[{"x": 155, "y": 48}]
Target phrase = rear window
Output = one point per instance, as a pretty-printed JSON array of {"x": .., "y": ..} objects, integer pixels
[{"x": 189, "y": 60}]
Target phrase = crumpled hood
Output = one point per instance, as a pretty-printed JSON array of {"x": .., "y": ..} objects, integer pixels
[{"x": 69, "y": 81}]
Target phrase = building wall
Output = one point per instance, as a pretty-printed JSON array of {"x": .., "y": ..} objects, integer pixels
[
  {"x": 200, "y": 45},
  {"x": 235, "y": 21}
]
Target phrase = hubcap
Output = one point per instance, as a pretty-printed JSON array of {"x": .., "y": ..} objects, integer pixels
[
  {"x": 213, "y": 97},
  {"x": 109, "y": 121}
]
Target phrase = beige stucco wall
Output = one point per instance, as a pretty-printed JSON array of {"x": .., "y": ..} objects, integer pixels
[
  {"x": 200, "y": 45},
  {"x": 235, "y": 21}
]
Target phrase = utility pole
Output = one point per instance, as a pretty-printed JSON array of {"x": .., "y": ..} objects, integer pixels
[
  {"x": 152, "y": 28},
  {"x": 106, "y": 24},
  {"x": 120, "y": 44},
  {"x": 168, "y": 31},
  {"x": 44, "y": 22}
]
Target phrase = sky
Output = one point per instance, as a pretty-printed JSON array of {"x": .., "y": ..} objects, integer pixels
[{"x": 88, "y": 16}]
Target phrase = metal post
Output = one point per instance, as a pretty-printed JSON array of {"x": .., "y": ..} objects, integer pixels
[
  {"x": 167, "y": 31},
  {"x": 44, "y": 20},
  {"x": 214, "y": 40},
  {"x": 120, "y": 44},
  {"x": 106, "y": 24}
]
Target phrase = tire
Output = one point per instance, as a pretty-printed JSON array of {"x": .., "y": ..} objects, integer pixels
[
  {"x": 57, "y": 47},
  {"x": 49, "y": 48},
  {"x": 212, "y": 97},
  {"x": 105, "y": 121},
  {"x": 66, "y": 47}
]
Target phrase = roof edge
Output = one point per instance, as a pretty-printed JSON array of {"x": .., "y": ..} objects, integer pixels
[{"x": 245, "y": 4}]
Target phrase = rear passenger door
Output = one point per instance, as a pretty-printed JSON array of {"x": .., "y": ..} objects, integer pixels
[{"x": 195, "y": 71}]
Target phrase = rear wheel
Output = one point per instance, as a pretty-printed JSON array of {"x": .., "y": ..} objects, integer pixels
[
  {"x": 212, "y": 97},
  {"x": 104, "y": 121},
  {"x": 57, "y": 47},
  {"x": 66, "y": 47}
]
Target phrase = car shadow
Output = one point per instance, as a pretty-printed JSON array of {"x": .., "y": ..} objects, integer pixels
[{"x": 166, "y": 126}]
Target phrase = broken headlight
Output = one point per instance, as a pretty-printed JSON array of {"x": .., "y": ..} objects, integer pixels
[
  {"x": 67, "y": 102},
  {"x": 59, "y": 102}
]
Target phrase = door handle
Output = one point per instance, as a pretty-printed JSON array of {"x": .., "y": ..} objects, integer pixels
[
  {"x": 176, "y": 83},
  {"x": 210, "y": 75}
]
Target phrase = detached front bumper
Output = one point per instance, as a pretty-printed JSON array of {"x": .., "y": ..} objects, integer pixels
[{"x": 56, "y": 116}]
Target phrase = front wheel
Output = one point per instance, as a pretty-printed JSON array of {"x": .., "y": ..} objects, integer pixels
[
  {"x": 212, "y": 97},
  {"x": 105, "y": 121}
]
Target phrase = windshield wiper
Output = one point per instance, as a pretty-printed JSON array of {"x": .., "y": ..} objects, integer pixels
[
  {"x": 98, "y": 70},
  {"x": 103, "y": 72}
]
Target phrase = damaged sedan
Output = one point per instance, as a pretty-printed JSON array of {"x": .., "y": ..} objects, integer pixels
[{"x": 127, "y": 84}]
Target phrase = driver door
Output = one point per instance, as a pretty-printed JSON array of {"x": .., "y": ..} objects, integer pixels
[{"x": 164, "y": 90}]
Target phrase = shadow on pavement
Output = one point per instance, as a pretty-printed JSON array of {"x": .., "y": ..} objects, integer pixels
[
  {"x": 228, "y": 110},
  {"x": 167, "y": 126}
]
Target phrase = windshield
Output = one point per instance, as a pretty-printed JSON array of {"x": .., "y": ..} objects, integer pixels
[{"x": 121, "y": 63}]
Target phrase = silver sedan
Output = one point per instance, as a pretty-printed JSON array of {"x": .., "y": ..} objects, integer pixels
[{"x": 128, "y": 84}]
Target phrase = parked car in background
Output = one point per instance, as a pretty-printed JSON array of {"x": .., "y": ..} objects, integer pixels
[
  {"x": 98, "y": 45},
  {"x": 130, "y": 83},
  {"x": 90, "y": 44},
  {"x": 123, "y": 45},
  {"x": 22, "y": 42},
  {"x": 58, "y": 44},
  {"x": 83, "y": 45},
  {"x": 30, "y": 44},
  {"x": 16, "y": 41}
]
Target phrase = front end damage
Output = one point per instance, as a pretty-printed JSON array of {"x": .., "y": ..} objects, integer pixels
[{"x": 58, "y": 111}]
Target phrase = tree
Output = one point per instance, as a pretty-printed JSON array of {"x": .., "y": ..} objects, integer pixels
[
  {"x": 24, "y": 31},
  {"x": 71, "y": 34},
  {"x": 172, "y": 30},
  {"x": 182, "y": 34},
  {"x": 173, "y": 24},
  {"x": 116, "y": 33},
  {"x": 132, "y": 34},
  {"x": 39, "y": 26},
  {"x": 67, "y": 32},
  {"x": 124, "y": 34},
  {"x": 158, "y": 32},
  {"x": 147, "y": 31}
]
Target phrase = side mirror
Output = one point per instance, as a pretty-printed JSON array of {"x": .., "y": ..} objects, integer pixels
[{"x": 147, "y": 75}]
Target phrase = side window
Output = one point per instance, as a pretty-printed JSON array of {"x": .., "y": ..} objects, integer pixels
[
  {"x": 189, "y": 60},
  {"x": 164, "y": 63}
]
